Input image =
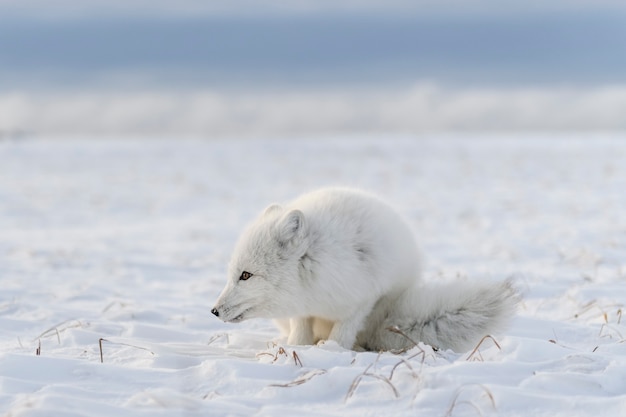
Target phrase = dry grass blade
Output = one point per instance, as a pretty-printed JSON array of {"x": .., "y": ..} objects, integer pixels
[
  {"x": 113, "y": 304},
  {"x": 471, "y": 404},
  {"x": 595, "y": 305},
  {"x": 395, "y": 329},
  {"x": 302, "y": 379},
  {"x": 359, "y": 378},
  {"x": 457, "y": 395},
  {"x": 385, "y": 380},
  {"x": 408, "y": 365},
  {"x": 296, "y": 358},
  {"x": 217, "y": 337},
  {"x": 586, "y": 307},
  {"x": 120, "y": 344},
  {"x": 475, "y": 351},
  {"x": 281, "y": 351},
  {"x": 63, "y": 326},
  {"x": 604, "y": 333},
  {"x": 355, "y": 382}
]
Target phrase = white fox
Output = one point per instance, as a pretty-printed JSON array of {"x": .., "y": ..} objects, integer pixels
[{"x": 339, "y": 264}]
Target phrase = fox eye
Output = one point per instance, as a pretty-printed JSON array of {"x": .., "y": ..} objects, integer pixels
[{"x": 245, "y": 275}]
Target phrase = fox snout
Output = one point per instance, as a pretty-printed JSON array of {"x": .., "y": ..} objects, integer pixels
[{"x": 232, "y": 314}]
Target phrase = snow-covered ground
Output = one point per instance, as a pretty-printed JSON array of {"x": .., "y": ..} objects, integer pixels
[{"x": 124, "y": 245}]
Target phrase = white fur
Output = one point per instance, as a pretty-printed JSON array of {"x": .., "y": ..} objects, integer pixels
[{"x": 342, "y": 265}]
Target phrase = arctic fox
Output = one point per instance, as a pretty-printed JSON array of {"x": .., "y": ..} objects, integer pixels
[{"x": 340, "y": 264}]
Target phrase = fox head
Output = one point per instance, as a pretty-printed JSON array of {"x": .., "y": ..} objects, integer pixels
[{"x": 263, "y": 274}]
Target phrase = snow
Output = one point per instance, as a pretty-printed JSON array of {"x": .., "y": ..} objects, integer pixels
[
  {"x": 315, "y": 109},
  {"x": 124, "y": 243}
]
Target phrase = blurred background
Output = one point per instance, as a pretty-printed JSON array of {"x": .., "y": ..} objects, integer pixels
[{"x": 209, "y": 69}]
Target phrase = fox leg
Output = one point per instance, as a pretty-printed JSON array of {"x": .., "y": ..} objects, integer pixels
[
  {"x": 301, "y": 331},
  {"x": 321, "y": 328},
  {"x": 344, "y": 331}
]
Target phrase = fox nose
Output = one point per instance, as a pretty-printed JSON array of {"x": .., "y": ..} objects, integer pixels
[{"x": 215, "y": 312}]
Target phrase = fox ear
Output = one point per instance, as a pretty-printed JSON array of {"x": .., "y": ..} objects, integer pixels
[
  {"x": 291, "y": 228},
  {"x": 273, "y": 208}
]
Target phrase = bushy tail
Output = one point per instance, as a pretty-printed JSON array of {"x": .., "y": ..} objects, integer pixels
[{"x": 447, "y": 316}]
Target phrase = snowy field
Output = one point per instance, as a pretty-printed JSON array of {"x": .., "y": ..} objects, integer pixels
[{"x": 115, "y": 251}]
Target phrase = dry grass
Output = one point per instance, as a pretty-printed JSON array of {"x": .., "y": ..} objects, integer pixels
[
  {"x": 55, "y": 330},
  {"x": 407, "y": 364},
  {"x": 119, "y": 344},
  {"x": 366, "y": 373},
  {"x": 611, "y": 326},
  {"x": 456, "y": 402},
  {"x": 219, "y": 336},
  {"x": 301, "y": 379},
  {"x": 422, "y": 352},
  {"x": 60, "y": 328},
  {"x": 603, "y": 309},
  {"x": 475, "y": 355},
  {"x": 282, "y": 352},
  {"x": 395, "y": 329},
  {"x": 607, "y": 330},
  {"x": 113, "y": 304},
  {"x": 296, "y": 359}
]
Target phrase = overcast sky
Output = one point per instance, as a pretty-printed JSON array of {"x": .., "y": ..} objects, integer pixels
[
  {"x": 169, "y": 46},
  {"x": 79, "y": 8}
]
